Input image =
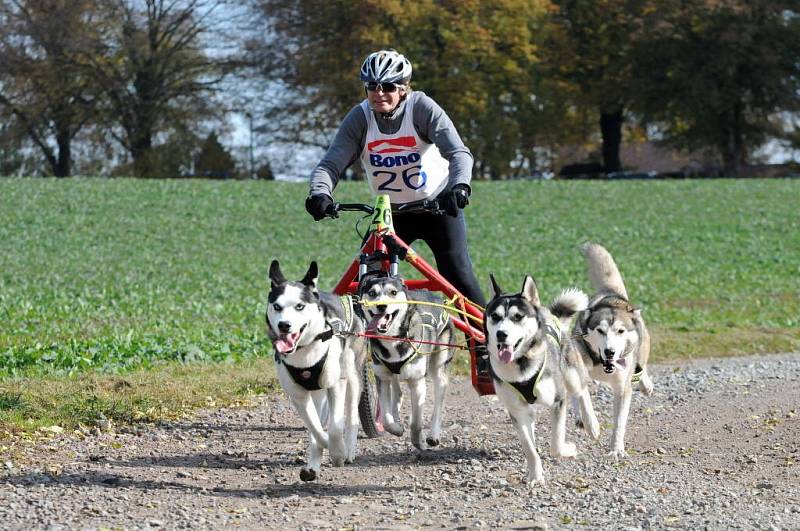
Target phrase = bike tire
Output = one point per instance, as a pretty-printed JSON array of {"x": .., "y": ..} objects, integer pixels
[{"x": 368, "y": 408}]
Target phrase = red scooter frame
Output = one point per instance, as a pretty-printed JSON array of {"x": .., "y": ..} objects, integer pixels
[{"x": 383, "y": 243}]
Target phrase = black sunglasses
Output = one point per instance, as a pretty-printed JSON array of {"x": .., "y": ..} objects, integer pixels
[{"x": 373, "y": 86}]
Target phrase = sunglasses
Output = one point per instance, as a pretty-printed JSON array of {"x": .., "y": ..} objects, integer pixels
[{"x": 373, "y": 86}]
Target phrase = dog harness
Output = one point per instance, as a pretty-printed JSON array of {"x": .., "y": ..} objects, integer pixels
[
  {"x": 431, "y": 326},
  {"x": 308, "y": 377},
  {"x": 527, "y": 388}
]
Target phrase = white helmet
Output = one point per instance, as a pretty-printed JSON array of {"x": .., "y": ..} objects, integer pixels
[{"x": 386, "y": 66}]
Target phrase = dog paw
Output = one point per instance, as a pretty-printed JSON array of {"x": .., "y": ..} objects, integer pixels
[
  {"x": 431, "y": 441},
  {"x": 337, "y": 460},
  {"x": 565, "y": 450},
  {"x": 579, "y": 424},
  {"x": 394, "y": 428},
  {"x": 535, "y": 478},
  {"x": 617, "y": 454},
  {"x": 416, "y": 439},
  {"x": 308, "y": 474},
  {"x": 646, "y": 386}
]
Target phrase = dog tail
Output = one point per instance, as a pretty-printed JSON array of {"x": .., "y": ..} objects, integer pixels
[
  {"x": 603, "y": 272},
  {"x": 568, "y": 303}
]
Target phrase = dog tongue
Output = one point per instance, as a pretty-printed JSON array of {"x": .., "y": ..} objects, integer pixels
[
  {"x": 286, "y": 342},
  {"x": 380, "y": 321},
  {"x": 505, "y": 354}
]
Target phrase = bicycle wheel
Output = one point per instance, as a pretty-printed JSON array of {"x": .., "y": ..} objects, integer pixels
[{"x": 369, "y": 410}]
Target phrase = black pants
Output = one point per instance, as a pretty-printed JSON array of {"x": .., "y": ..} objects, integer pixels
[{"x": 447, "y": 238}]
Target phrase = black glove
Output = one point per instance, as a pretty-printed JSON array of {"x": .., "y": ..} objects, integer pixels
[
  {"x": 319, "y": 206},
  {"x": 453, "y": 200}
]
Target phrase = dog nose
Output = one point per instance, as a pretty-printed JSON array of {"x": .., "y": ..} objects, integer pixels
[
  {"x": 501, "y": 336},
  {"x": 609, "y": 352},
  {"x": 284, "y": 327},
  {"x": 381, "y": 308}
]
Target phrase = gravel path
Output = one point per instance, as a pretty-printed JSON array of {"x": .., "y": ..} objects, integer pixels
[{"x": 717, "y": 447}]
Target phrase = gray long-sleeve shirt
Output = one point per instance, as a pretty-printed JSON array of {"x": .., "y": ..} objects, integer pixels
[{"x": 431, "y": 123}]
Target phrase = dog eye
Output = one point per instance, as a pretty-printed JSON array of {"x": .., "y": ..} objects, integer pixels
[
  {"x": 495, "y": 317},
  {"x": 517, "y": 317},
  {"x": 393, "y": 293},
  {"x": 276, "y": 307},
  {"x": 299, "y": 307},
  {"x": 601, "y": 332},
  {"x": 621, "y": 331},
  {"x": 372, "y": 293}
]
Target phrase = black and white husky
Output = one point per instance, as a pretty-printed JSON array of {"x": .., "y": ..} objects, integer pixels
[
  {"x": 409, "y": 355},
  {"x": 533, "y": 363},
  {"x": 318, "y": 359},
  {"x": 613, "y": 339}
]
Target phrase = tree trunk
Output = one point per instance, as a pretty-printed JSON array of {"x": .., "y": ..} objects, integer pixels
[
  {"x": 734, "y": 154},
  {"x": 62, "y": 163},
  {"x": 611, "y": 129}
]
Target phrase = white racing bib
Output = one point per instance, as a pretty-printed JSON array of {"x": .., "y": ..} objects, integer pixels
[{"x": 401, "y": 165}]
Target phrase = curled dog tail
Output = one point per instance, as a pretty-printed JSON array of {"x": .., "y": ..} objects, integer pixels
[
  {"x": 603, "y": 272},
  {"x": 568, "y": 303}
]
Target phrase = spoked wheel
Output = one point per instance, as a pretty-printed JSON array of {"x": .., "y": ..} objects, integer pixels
[{"x": 369, "y": 409}]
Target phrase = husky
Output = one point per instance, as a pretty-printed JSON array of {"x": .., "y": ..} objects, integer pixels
[
  {"x": 613, "y": 340},
  {"x": 318, "y": 353},
  {"x": 533, "y": 363},
  {"x": 405, "y": 353}
]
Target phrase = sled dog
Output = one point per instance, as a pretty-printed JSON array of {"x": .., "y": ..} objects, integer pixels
[
  {"x": 318, "y": 363},
  {"x": 533, "y": 363},
  {"x": 613, "y": 339},
  {"x": 406, "y": 353}
]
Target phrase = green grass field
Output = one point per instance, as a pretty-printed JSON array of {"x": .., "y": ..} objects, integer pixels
[
  {"x": 120, "y": 274},
  {"x": 139, "y": 300}
]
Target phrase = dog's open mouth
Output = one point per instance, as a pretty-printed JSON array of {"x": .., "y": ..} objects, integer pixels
[
  {"x": 609, "y": 364},
  {"x": 381, "y": 322},
  {"x": 287, "y": 343},
  {"x": 505, "y": 352}
]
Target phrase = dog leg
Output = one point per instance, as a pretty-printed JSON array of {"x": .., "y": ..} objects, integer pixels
[
  {"x": 388, "y": 408},
  {"x": 622, "y": 405},
  {"x": 351, "y": 418},
  {"x": 336, "y": 446},
  {"x": 559, "y": 447},
  {"x": 646, "y": 384},
  {"x": 439, "y": 377},
  {"x": 397, "y": 397},
  {"x": 525, "y": 430},
  {"x": 313, "y": 460},
  {"x": 321, "y": 405},
  {"x": 417, "y": 391},
  {"x": 308, "y": 413},
  {"x": 577, "y": 411},
  {"x": 590, "y": 422}
]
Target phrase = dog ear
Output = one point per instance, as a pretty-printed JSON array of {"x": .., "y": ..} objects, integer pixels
[
  {"x": 275, "y": 276},
  {"x": 530, "y": 291},
  {"x": 312, "y": 276},
  {"x": 495, "y": 287}
]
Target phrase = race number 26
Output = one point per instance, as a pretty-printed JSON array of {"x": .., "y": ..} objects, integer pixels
[{"x": 412, "y": 177}]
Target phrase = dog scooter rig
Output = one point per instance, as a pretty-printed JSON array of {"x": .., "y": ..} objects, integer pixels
[{"x": 381, "y": 245}]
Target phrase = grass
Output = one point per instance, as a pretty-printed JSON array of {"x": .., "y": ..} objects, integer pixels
[{"x": 105, "y": 279}]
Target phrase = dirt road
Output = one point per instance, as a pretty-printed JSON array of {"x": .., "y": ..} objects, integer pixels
[{"x": 717, "y": 447}]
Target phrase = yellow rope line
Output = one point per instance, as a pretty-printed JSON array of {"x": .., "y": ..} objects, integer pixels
[{"x": 425, "y": 303}]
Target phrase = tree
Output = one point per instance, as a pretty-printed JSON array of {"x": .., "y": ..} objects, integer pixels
[
  {"x": 592, "y": 48},
  {"x": 720, "y": 75},
  {"x": 477, "y": 59},
  {"x": 50, "y": 99},
  {"x": 214, "y": 160},
  {"x": 153, "y": 71}
]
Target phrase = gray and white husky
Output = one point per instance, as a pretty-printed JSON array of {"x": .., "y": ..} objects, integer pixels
[
  {"x": 613, "y": 339},
  {"x": 533, "y": 363},
  {"x": 408, "y": 355},
  {"x": 318, "y": 358}
]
